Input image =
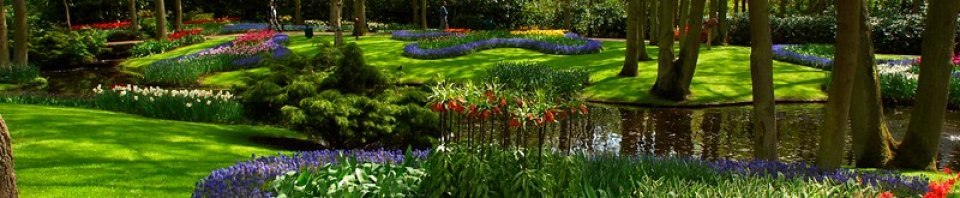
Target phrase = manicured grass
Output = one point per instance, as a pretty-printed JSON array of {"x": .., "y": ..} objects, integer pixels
[
  {"x": 722, "y": 76},
  {"x": 139, "y": 63},
  {"x": 64, "y": 152}
]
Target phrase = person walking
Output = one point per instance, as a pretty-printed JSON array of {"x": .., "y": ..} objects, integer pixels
[
  {"x": 272, "y": 14},
  {"x": 443, "y": 16}
]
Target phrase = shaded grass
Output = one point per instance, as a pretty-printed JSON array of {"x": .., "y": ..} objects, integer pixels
[
  {"x": 142, "y": 62},
  {"x": 722, "y": 76},
  {"x": 65, "y": 152}
]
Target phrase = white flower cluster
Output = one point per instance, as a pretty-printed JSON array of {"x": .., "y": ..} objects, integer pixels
[
  {"x": 151, "y": 92},
  {"x": 895, "y": 69}
]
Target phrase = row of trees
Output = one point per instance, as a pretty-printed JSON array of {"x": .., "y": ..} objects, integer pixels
[{"x": 854, "y": 76}]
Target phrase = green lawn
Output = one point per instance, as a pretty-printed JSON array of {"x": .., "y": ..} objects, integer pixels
[
  {"x": 722, "y": 76},
  {"x": 137, "y": 63},
  {"x": 64, "y": 152}
]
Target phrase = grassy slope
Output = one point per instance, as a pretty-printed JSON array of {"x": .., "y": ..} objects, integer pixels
[
  {"x": 137, "y": 63},
  {"x": 723, "y": 73},
  {"x": 62, "y": 152}
]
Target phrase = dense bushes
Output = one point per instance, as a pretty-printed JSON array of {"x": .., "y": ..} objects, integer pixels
[
  {"x": 59, "y": 49},
  {"x": 338, "y": 99},
  {"x": 894, "y": 34}
]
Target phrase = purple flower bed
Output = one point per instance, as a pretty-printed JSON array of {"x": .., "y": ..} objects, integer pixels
[
  {"x": 886, "y": 180},
  {"x": 413, "y": 35},
  {"x": 243, "y": 27},
  {"x": 274, "y": 46},
  {"x": 591, "y": 46},
  {"x": 781, "y": 53},
  {"x": 245, "y": 179}
]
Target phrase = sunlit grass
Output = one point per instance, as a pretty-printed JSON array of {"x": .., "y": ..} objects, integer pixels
[{"x": 64, "y": 152}]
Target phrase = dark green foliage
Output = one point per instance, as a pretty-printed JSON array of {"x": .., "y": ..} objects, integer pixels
[
  {"x": 59, "y": 49},
  {"x": 530, "y": 77},
  {"x": 820, "y": 50},
  {"x": 21, "y": 75},
  {"x": 354, "y": 76},
  {"x": 150, "y": 47},
  {"x": 352, "y": 107},
  {"x": 123, "y": 35},
  {"x": 350, "y": 179}
]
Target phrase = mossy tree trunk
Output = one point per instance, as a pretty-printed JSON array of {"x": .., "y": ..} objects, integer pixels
[
  {"x": 724, "y": 25},
  {"x": 4, "y": 39},
  {"x": 178, "y": 15},
  {"x": 919, "y": 148},
  {"x": 336, "y": 6},
  {"x": 761, "y": 74},
  {"x": 834, "y": 127},
  {"x": 8, "y": 177},
  {"x": 134, "y": 18},
  {"x": 665, "y": 58},
  {"x": 684, "y": 20},
  {"x": 20, "y": 36},
  {"x": 297, "y": 14},
  {"x": 630, "y": 61},
  {"x": 66, "y": 13},
  {"x": 360, "y": 12},
  {"x": 160, "y": 13},
  {"x": 872, "y": 143},
  {"x": 673, "y": 82},
  {"x": 642, "y": 30}
]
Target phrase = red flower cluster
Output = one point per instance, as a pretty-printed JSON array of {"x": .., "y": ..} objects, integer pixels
[
  {"x": 955, "y": 60},
  {"x": 206, "y": 21},
  {"x": 254, "y": 37},
  {"x": 184, "y": 33},
  {"x": 102, "y": 26},
  {"x": 491, "y": 104},
  {"x": 457, "y": 30},
  {"x": 941, "y": 189}
]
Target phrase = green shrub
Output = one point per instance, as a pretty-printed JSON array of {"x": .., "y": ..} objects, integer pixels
[
  {"x": 150, "y": 47},
  {"x": 348, "y": 178},
  {"x": 58, "y": 49},
  {"x": 124, "y": 35},
  {"x": 353, "y": 75},
  {"x": 19, "y": 74}
]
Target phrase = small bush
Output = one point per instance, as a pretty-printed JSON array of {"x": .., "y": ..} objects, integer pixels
[
  {"x": 353, "y": 75},
  {"x": 151, "y": 47},
  {"x": 124, "y": 35},
  {"x": 58, "y": 49},
  {"x": 18, "y": 74}
]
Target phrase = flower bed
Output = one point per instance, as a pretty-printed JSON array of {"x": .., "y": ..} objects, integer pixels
[
  {"x": 414, "y": 35},
  {"x": 102, "y": 26},
  {"x": 246, "y": 179},
  {"x": 245, "y": 51},
  {"x": 186, "y": 105},
  {"x": 791, "y": 53},
  {"x": 591, "y": 46}
]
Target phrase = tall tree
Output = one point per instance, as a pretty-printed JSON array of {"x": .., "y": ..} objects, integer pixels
[
  {"x": 20, "y": 37},
  {"x": 668, "y": 12},
  {"x": 919, "y": 148},
  {"x": 761, "y": 74},
  {"x": 4, "y": 39},
  {"x": 833, "y": 133},
  {"x": 567, "y": 17},
  {"x": 66, "y": 13},
  {"x": 642, "y": 31},
  {"x": 673, "y": 80},
  {"x": 360, "y": 11},
  {"x": 160, "y": 13},
  {"x": 723, "y": 24},
  {"x": 630, "y": 61},
  {"x": 415, "y": 4},
  {"x": 336, "y": 7},
  {"x": 654, "y": 22},
  {"x": 297, "y": 15},
  {"x": 134, "y": 21},
  {"x": 8, "y": 178},
  {"x": 684, "y": 20},
  {"x": 783, "y": 7},
  {"x": 423, "y": 14},
  {"x": 178, "y": 15},
  {"x": 872, "y": 143}
]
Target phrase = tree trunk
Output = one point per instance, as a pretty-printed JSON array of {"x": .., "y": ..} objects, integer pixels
[
  {"x": 654, "y": 22},
  {"x": 8, "y": 177},
  {"x": 360, "y": 12},
  {"x": 20, "y": 37},
  {"x": 415, "y": 4},
  {"x": 297, "y": 15},
  {"x": 160, "y": 13},
  {"x": 567, "y": 17},
  {"x": 4, "y": 39},
  {"x": 736, "y": 6},
  {"x": 724, "y": 25},
  {"x": 783, "y": 7},
  {"x": 684, "y": 20},
  {"x": 134, "y": 18},
  {"x": 66, "y": 12},
  {"x": 674, "y": 84},
  {"x": 336, "y": 6},
  {"x": 642, "y": 30},
  {"x": 915, "y": 8},
  {"x": 872, "y": 143},
  {"x": 178, "y": 15},
  {"x": 630, "y": 61},
  {"x": 761, "y": 74},
  {"x": 919, "y": 148},
  {"x": 423, "y": 14},
  {"x": 665, "y": 60},
  {"x": 833, "y": 133}
]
